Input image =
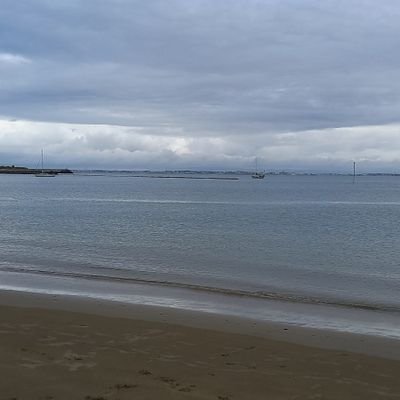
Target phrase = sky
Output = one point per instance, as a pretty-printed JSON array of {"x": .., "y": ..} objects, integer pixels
[{"x": 304, "y": 85}]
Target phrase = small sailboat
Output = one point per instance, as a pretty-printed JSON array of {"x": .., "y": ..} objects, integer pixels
[
  {"x": 43, "y": 173},
  {"x": 257, "y": 174}
]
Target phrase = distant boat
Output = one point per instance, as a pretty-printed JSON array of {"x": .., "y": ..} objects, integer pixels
[
  {"x": 43, "y": 173},
  {"x": 258, "y": 174}
]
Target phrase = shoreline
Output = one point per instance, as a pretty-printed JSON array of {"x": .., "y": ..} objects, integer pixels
[
  {"x": 56, "y": 347},
  {"x": 265, "y": 294},
  {"x": 329, "y": 318},
  {"x": 231, "y": 324}
]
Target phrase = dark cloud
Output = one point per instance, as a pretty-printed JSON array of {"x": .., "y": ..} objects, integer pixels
[{"x": 200, "y": 68}]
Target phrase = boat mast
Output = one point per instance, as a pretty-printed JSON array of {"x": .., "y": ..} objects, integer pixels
[
  {"x": 354, "y": 171},
  {"x": 42, "y": 161}
]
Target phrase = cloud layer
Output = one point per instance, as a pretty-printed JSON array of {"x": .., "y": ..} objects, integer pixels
[{"x": 202, "y": 84}]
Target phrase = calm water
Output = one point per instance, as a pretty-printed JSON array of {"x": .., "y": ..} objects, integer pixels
[{"x": 309, "y": 239}]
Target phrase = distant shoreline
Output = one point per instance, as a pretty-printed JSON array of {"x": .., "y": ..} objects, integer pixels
[
  {"x": 220, "y": 174},
  {"x": 181, "y": 174},
  {"x": 31, "y": 171}
]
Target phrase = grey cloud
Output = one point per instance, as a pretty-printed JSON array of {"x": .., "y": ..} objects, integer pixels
[
  {"x": 201, "y": 68},
  {"x": 104, "y": 146}
]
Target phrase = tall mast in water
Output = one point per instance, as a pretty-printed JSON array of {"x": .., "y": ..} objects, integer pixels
[
  {"x": 354, "y": 171},
  {"x": 42, "y": 161}
]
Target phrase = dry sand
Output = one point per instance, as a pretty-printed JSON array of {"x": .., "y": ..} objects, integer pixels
[{"x": 48, "y": 353}]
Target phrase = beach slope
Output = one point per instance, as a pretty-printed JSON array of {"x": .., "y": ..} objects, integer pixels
[{"x": 55, "y": 354}]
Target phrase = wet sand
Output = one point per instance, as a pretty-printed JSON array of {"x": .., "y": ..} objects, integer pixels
[{"x": 53, "y": 347}]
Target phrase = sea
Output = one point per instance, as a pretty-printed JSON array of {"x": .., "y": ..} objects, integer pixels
[{"x": 315, "y": 251}]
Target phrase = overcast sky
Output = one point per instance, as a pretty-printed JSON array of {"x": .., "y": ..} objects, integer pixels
[{"x": 205, "y": 84}]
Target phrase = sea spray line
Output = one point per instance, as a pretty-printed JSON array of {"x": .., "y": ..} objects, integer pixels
[{"x": 211, "y": 289}]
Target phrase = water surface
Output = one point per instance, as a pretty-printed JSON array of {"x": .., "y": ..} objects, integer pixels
[{"x": 308, "y": 239}]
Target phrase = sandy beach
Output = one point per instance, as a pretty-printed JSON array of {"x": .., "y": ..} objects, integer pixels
[{"x": 55, "y": 348}]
